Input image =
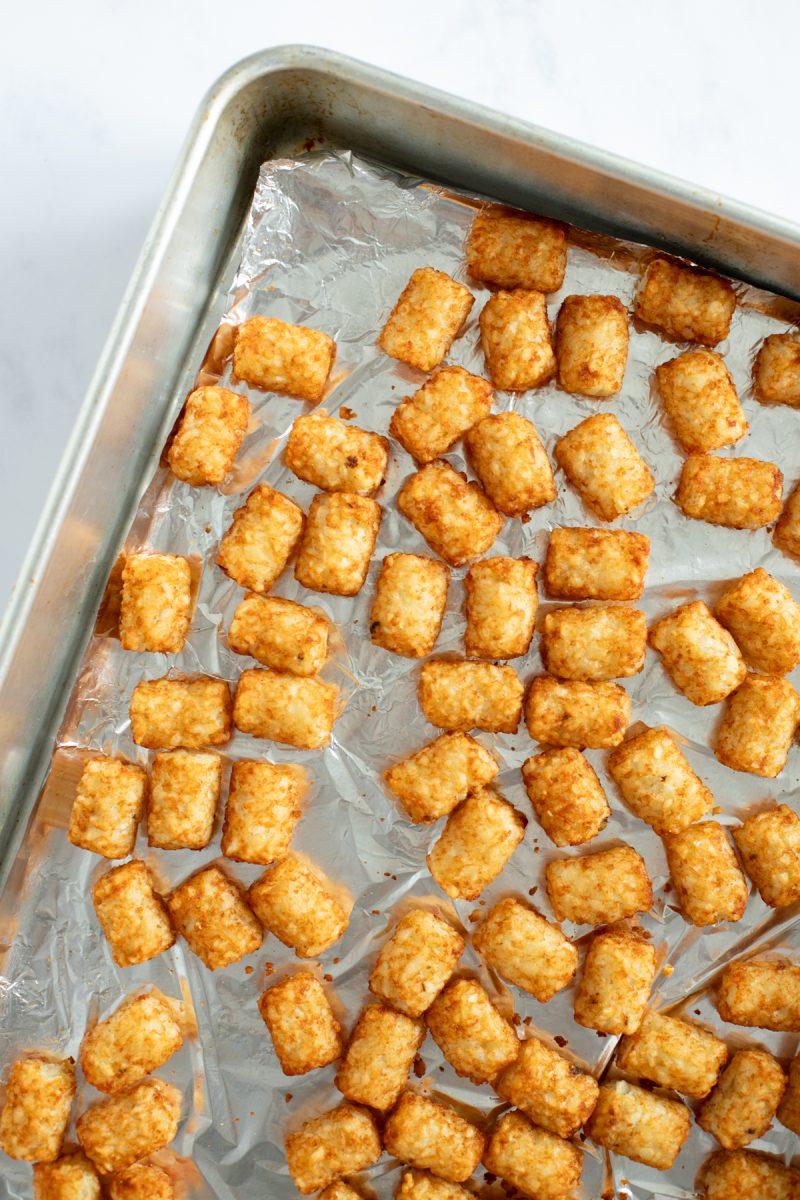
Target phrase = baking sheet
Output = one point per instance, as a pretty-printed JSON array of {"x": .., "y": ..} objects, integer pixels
[{"x": 331, "y": 241}]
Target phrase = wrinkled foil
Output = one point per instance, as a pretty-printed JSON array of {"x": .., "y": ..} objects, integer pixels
[{"x": 330, "y": 242}]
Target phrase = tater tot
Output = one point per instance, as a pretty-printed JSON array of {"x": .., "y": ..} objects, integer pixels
[
  {"x": 298, "y": 907},
  {"x": 286, "y": 708},
  {"x": 428, "y": 423},
  {"x": 745, "y": 1100},
  {"x": 688, "y": 304},
  {"x": 532, "y": 1160},
  {"x": 592, "y": 345},
  {"x": 342, "y": 1141},
  {"x": 567, "y": 797},
  {"x": 136, "y": 1039},
  {"x": 614, "y": 986},
  {"x": 156, "y": 603},
  {"x": 706, "y": 875},
  {"x": 209, "y": 434},
  {"x": 280, "y": 634},
  {"x": 476, "y": 843},
  {"x": 501, "y": 603},
  {"x": 761, "y": 993},
  {"x": 167, "y": 713},
  {"x": 337, "y": 543},
  {"x": 421, "y": 1185},
  {"x": 596, "y": 564},
  {"x": 758, "y": 727},
  {"x": 599, "y": 888},
  {"x": 517, "y": 252},
  {"x": 304, "y": 1031},
  {"x": 184, "y": 795},
  {"x": 119, "y": 1131},
  {"x": 132, "y": 914},
  {"x": 648, "y": 1128},
  {"x": 470, "y": 1032},
  {"x": 735, "y": 1174},
  {"x": 700, "y": 399},
  {"x": 742, "y": 493},
  {"x": 776, "y": 371},
  {"x": 278, "y": 357},
  {"x": 409, "y": 604},
  {"x": 594, "y": 644},
  {"x": 434, "y": 781},
  {"x": 39, "y": 1095},
  {"x": 525, "y": 949},
  {"x": 593, "y": 715},
  {"x": 142, "y": 1181},
  {"x": 698, "y": 654},
  {"x": 460, "y": 695},
  {"x": 508, "y": 457},
  {"x": 673, "y": 1053},
  {"x": 70, "y": 1177},
  {"x": 261, "y": 539},
  {"x": 209, "y": 910},
  {"x": 549, "y": 1089},
  {"x": 339, "y": 1190},
  {"x": 379, "y": 1054},
  {"x": 789, "y": 1108},
  {"x": 262, "y": 811},
  {"x": 108, "y": 806},
  {"x": 764, "y": 618},
  {"x": 455, "y": 517},
  {"x": 517, "y": 341},
  {"x": 416, "y": 962},
  {"x": 336, "y": 456},
  {"x": 432, "y": 1137},
  {"x": 769, "y": 843},
  {"x": 786, "y": 534},
  {"x": 602, "y": 463},
  {"x": 657, "y": 783}
]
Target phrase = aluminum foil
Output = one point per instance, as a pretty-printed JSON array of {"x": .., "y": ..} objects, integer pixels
[{"x": 330, "y": 241}]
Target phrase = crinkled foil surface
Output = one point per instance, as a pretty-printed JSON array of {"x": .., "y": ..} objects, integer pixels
[{"x": 330, "y": 242}]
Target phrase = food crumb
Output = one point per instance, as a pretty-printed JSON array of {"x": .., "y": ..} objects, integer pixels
[
  {"x": 346, "y": 413},
  {"x": 532, "y": 891},
  {"x": 560, "y": 1041},
  {"x": 328, "y": 978},
  {"x": 475, "y": 916},
  {"x": 375, "y": 912},
  {"x": 287, "y": 1099},
  {"x": 336, "y": 961},
  {"x": 248, "y": 970},
  {"x": 269, "y": 968},
  {"x": 419, "y": 1067},
  {"x": 667, "y": 969}
]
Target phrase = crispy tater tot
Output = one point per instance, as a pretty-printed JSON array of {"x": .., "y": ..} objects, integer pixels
[
  {"x": 461, "y": 695},
  {"x": 478, "y": 840},
  {"x": 108, "y": 806},
  {"x": 786, "y": 534},
  {"x": 70, "y": 1177},
  {"x": 416, "y": 962},
  {"x": 789, "y": 1108},
  {"x": 184, "y": 795},
  {"x": 594, "y": 644},
  {"x": 132, "y": 914},
  {"x": 687, "y": 304},
  {"x": 657, "y": 783},
  {"x": 501, "y": 603},
  {"x": 342, "y": 1141},
  {"x": 426, "y": 319},
  {"x": 285, "y": 708},
  {"x": 769, "y": 843},
  {"x": 142, "y": 1181},
  {"x": 525, "y": 949},
  {"x": 648, "y": 1128},
  {"x": 167, "y": 713},
  {"x": 339, "y": 1190},
  {"x": 120, "y": 1131},
  {"x": 549, "y": 1089},
  {"x": 209, "y": 434},
  {"x": 379, "y": 1054},
  {"x": 209, "y": 910},
  {"x": 614, "y": 986},
  {"x": 700, "y": 400},
  {"x": 599, "y": 888},
  {"x": 734, "y": 1174},
  {"x": 602, "y": 463},
  {"x": 707, "y": 877},
  {"x": 280, "y": 634},
  {"x": 337, "y": 543},
  {"x": 262, "y": 811},
  {"x": 776, "y": 371},
  {"x": 674, "y": 1054},
  {"x": 428, "y": 423},
  {"x": 592, "y": 345},
  {"x": 517, "y": 341},
  {"x": 742, "y": 493},
  {"x": 532, "y": 1160},
  {"x": 742, "y": 1105},
  {"x": 156, "y": 604},
  {"x": 470, "y": 1032},
  {"x": 38, "y": 1099},
  {"x": 277, "y": 357},
  {"x": 432, "y": 1137},
  {"x": 567, "y": 797},
  {"x": 596, "y": 564},
  {"x": 758, "y": 727},
  {"x": 456, "y": 518},
  {"x": 421, "y": 1185},
  {"x": 304, "y": 1031},
  {"x": 761, "y": 993},
  {"x": 409, "y": 604},
  {"x": 517, "y": 252},
  {"x": 136, "y": 1039},
  {"x": 508, "y": 457},
  {"x": 698, "y": 654},
  {"x": 434, "y": 781},
  {"x": 261, "y": 539},
  {"x": 593, "y": 715},
  {"x": 336, "y": 456},
  {"x": 298, "y": 907},
  {"x": 764, "y": 618}
]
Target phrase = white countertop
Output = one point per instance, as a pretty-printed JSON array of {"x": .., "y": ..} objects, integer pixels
[{"x": 95, "y": 99}]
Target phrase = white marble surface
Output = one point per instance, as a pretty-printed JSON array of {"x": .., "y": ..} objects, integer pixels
[{"x": 96, "y": 95}]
